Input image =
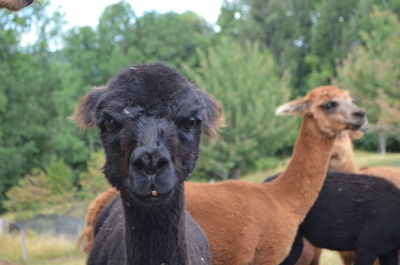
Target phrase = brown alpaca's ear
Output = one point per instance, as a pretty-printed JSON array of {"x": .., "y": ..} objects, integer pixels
[
  {"x": 354, "y": 135},
  {"x": 214, "y": 120},
  {"x": 85, "y": 113},
  {"x": 293, "y": 107}
]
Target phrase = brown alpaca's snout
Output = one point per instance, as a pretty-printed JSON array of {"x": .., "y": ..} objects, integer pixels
[{"x": 357, "y": 119}]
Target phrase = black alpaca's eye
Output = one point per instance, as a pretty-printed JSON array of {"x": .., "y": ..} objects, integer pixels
[
  {"x": 190, "y": 123},
  {"x": 330, "y": 105},
  {"x": 110, "y": 125}
]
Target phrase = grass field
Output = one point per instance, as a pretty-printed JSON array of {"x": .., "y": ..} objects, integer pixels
[
  {"x": 41, "y": 250},
  {"x": 47, "y": 250}
]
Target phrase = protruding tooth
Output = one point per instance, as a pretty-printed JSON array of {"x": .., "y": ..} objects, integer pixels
[{"x": 154, "y": 193}]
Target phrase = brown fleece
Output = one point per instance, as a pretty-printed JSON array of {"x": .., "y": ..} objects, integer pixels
[
  {"x": 342, "y": 160},
  {"x": 94, "y": 211},
  {"x": 255, "y": 223},
  {"x": 391, "y": 174},
  {"x": 14, "y": 5}
]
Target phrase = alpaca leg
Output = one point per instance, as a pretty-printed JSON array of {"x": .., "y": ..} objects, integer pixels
[
  {"x": 317, "y": 255},
  {"x": 348, "y": 257},
  {"x": 295, "y": 252},
  {"x": 365, "y": 258},
  {"x": 391, "y": 258}
]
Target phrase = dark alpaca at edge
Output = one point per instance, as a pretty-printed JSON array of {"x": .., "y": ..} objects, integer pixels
[
  {"x": 15, "y": 5},
  {"x": 150, "y": 119},
  {"x": 354, "y": 212}
]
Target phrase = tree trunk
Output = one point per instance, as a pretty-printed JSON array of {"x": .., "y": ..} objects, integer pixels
[
  {"x": 382, "y": 143},
  {"x": 235, "y": 172}
]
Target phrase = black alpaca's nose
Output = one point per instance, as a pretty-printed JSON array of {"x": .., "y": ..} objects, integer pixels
[{"x": 147, "y": 161}]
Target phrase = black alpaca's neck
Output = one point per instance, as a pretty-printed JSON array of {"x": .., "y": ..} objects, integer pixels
[{"x": 156, "y": 236}]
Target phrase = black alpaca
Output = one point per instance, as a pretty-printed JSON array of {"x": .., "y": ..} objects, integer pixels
[
  {"x": 150, "y": 119},
  {"x": 354, "y": 212}
]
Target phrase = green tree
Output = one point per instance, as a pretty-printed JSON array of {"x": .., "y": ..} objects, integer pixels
[
  {"x": 309, "y": 37},
  {"x": 284, "y": 27},
  {"x": 34, "y": 129},
  {"x": 18, "y": 115},
  {"x": 331, "y": 18},
  {"x": 92, "y": 180},
  {"x": 247, "y": 82},
  {"x": 171, "y": 37},
  {"x": 42, "y": 188},
  {"x": 122, "y": 39},
  {"x": 372, "y": 74},
  {"x": 116, "y": 36},
  {"x": 232, "y": 13}
]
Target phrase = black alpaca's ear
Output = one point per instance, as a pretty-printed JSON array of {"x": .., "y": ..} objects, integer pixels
[
  {"x": 214, "y": 120},
  {"x": 85, "y": 113}
]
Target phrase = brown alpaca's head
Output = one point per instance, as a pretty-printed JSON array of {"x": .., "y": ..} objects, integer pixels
[
  {"x": 332, "y": 108},
  {"x": 150, "y": 119},
  {"x": 342, "y": 152},
  {"x": 15, "y": 5}
]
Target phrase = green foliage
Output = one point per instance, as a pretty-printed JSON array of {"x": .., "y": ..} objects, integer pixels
[
  {"x": 55, "y": 186},
  {"x": 29, "y": 193},
  {"x": 371, "y": 72},
  {"x": 247, "y": 82},
  {"x": 34, "y": 103},
  {"x": 122, "y": 39},
  {"x": 231, "y": 15},
  {"x": 265, "y": 163},
  {"x": 40, "y": 189},
  {"x": 59, "y": 178},
  {"x": 171, "y": 37},
  {"x": 308, "y": 37},
  {"x": 92, "y": 181},
  {"x": 331, "y": 20},
  {"x": 284, "y": 27}
]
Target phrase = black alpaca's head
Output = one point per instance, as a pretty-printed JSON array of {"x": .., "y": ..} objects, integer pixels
[{"x": 150, "y": 119}]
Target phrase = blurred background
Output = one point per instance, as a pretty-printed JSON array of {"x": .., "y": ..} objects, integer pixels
[{"x": 252, "y": 55}]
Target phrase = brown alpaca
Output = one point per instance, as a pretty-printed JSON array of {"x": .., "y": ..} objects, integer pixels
[
  {"x": 342, "y": 157},
  {"x": 342, "y": 160},
  {"x": 93, "y": 213},
  {"x": 15, "y": 5},
  {"x": 255, "y": 223}
]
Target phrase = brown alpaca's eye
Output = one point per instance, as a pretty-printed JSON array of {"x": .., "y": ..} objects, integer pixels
[
  {"x": 111, "y": 125},
  {"x": 190, "y": 123},
  {"x": 330, "y": 105}
]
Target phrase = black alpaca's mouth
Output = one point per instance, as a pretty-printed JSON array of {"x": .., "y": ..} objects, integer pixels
[{"x": 153, "y": 197}]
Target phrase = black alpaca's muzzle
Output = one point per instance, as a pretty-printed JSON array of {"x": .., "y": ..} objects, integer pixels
[{"x": 151, "y": 173}]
